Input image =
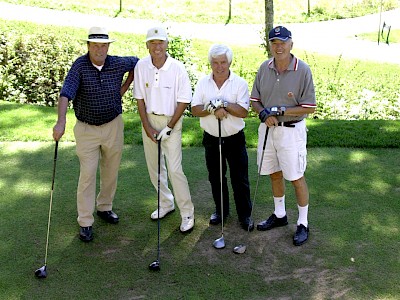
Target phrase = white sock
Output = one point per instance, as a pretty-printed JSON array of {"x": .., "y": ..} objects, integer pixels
[
  {"x": 303, "y": 215},
  {"x": 280, "y": 210}
]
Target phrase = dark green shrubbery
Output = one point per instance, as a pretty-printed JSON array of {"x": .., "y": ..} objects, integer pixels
[
  {"x": 32, "y": 70},
  {"x": 34, "y": 67}
]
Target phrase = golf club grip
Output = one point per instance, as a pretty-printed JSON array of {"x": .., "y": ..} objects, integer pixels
[{"x": 54, "y": 165}]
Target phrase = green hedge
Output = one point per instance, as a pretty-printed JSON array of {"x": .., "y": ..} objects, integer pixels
[{"x": 33, "y": 67}]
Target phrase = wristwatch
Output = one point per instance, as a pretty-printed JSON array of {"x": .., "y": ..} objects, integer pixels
[
  {"x": 224, "y": 104},
  {"x": 282, "y": 110}
]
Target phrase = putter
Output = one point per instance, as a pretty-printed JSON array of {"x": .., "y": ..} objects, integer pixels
[
  {"x": 42, "y": 271},
  {"x": 240, "y": 249},
  {"x": 155, "y": 265},
  {"x": 220, "y": 243}
]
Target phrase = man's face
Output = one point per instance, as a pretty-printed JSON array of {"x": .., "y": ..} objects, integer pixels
[
  {"x": 157, "y": 48},
  {"x": 281, "y": 49},
  {"x": 98, "y": 52},
  {"x": 220, "y": 67}
]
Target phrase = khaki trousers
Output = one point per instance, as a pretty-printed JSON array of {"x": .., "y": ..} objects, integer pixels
[
  {"x": 171, "y": 158},
  {"x": 102, "y": 143}
]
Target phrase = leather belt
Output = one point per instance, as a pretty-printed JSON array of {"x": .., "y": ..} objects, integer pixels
[{"x": 289, "y": 123}]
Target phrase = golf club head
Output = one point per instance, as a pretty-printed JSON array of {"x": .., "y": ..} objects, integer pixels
[
  {"x": 155, "y": 266},
  {"x": 219, "y": 243},
  {"x": 41, "y": 272},
  {"x": 240, "y": 249}
]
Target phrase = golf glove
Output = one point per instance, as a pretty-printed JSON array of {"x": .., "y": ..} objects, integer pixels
[
  {"x": 213, "y": 105},
  {"x": 164, "y": 134},
  {"x": 267, "y": 112}
]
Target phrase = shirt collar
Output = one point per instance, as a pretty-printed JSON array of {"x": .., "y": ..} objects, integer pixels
[
  {"x": 166, "y": 65},
  {"x": 293, "y": 66}
]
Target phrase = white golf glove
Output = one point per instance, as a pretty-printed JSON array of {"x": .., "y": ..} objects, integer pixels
[
  {"x": 164, "y": 134},
  {"x": 218, "y": 103},
  {"x": 213, "y": 105}
]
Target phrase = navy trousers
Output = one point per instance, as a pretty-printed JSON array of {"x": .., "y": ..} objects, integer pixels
[{"x": 234, "y": 154}]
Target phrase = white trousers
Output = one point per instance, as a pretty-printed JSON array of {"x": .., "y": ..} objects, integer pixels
[{"x": 171, "y": 158}]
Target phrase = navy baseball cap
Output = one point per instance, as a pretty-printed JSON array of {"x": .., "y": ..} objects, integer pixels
[{"x": 280, "y": 33}]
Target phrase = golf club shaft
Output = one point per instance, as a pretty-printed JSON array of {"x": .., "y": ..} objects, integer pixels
[
  {"x": 259, "y": 169},
  {"x": 220, "y": 175},
  {"x": 51, "y": 202},
  {"x": 158, "y": 199}
]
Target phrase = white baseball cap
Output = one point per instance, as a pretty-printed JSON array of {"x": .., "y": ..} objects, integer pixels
[{"x": 156, "y": 33}]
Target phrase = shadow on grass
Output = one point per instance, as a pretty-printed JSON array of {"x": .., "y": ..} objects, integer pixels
[{"x": 354, "y": 223}]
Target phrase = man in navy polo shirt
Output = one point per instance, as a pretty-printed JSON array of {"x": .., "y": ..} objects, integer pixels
[
  {"x": 283, "y": 94},
  {"x": 95, "y": 85}
]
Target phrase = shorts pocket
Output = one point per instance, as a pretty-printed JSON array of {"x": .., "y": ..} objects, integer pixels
[{"x": 302, "y": 161}]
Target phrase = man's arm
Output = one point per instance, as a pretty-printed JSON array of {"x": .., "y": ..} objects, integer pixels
[
  {"x": 127, "y": 83},
  {"x": 178, "y": 113},
  {"x": 59, "y": 128},
  {"x": 150, "y": 131}
]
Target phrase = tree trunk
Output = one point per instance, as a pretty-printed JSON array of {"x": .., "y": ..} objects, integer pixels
[{"x": 269, "y": 24}]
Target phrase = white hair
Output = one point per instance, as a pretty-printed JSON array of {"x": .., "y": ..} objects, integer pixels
[{"x": 217, "y": 50}]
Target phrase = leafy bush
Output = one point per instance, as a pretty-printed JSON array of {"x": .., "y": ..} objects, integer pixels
[
  {"x": 34, "y": 67},
  {"x": 32, "y": 70},
  {"x": 353, "y": 92}
]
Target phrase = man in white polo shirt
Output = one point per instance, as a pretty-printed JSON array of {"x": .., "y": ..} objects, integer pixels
[
  {"x": 223, "y": 97},
  {"x": 283, "y": 94},
  {"x": 163, "y": 91}
]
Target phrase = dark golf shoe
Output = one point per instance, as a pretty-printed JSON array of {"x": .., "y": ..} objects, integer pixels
[
  {"x": 301, "y": 235},
  {"x": 109, "y": 216},
  {"x": 247, "y": 224},
  {"x": 86, "y": 234},
  {"x": 272, "y": 222}
]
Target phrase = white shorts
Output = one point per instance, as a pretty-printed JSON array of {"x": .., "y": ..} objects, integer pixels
[{"x": 285, "y": 150}]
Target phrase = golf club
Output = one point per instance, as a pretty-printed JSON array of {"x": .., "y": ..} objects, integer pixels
[
  {"x": 155, "y": 265},
  {"x": 42, "y": 271},
  {"x": 240, "y": 249},
  {"x": 220, "y": 243}
]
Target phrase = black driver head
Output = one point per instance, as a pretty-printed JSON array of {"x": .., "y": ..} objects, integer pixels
[
  {"x": 155, "y": 266},
  {"x": 41, "y": 272}
]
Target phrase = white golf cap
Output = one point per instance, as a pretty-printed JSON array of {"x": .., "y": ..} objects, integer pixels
[{"x": 156, "y": 33}]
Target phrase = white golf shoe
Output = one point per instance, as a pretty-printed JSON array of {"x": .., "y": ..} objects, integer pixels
[
  {"x": 187, "y": 224},
  {"x": 163, "y": 212}
]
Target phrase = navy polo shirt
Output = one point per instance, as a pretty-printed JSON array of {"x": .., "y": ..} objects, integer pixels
[{"x": 96, "y": 94}]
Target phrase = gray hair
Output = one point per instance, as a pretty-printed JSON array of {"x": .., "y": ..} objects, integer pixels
[{"x": 217, "y": 50}]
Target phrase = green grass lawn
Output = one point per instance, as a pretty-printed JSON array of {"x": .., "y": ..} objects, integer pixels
[{"x": 354, "y": 221}]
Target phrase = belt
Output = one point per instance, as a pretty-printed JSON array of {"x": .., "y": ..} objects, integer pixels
[{"x": 289, "y": 123}]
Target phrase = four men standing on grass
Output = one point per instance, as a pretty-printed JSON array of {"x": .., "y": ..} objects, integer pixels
[{"x": 282, "y": 95}]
